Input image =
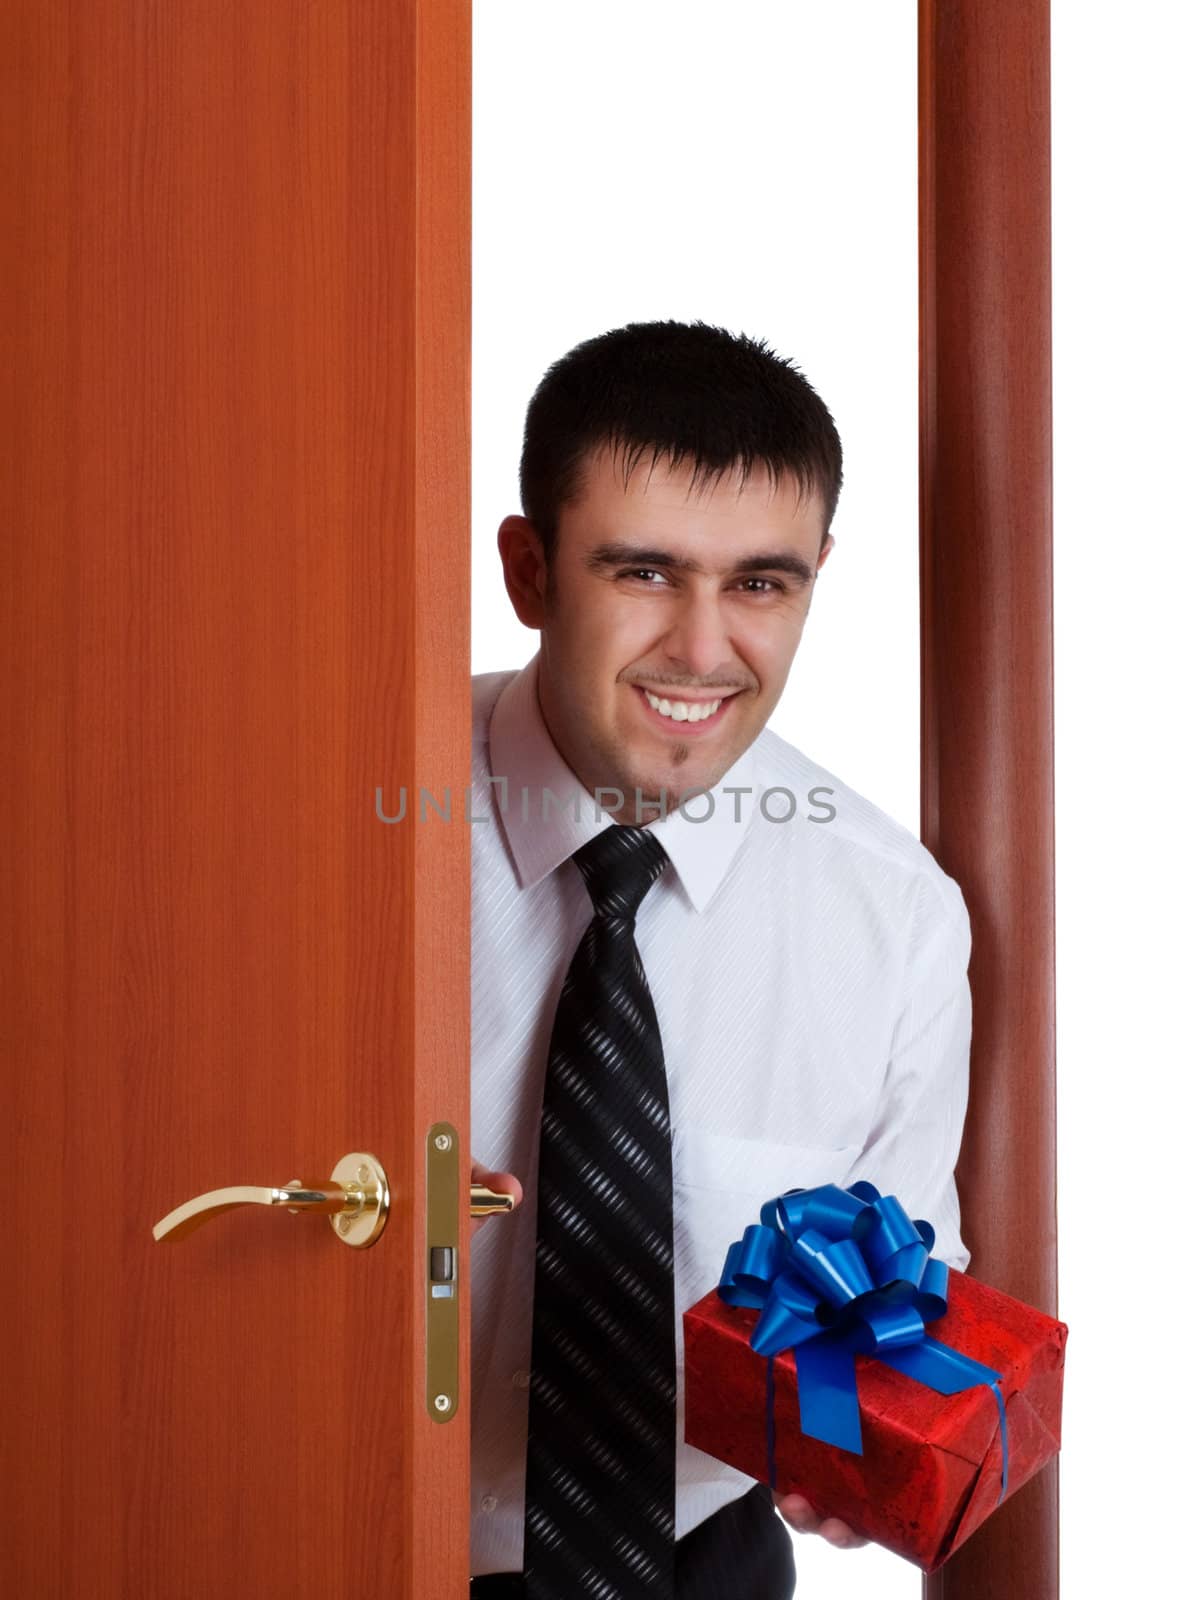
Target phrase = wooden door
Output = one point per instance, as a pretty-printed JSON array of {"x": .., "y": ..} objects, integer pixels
[{"x": 235, "y": 603}]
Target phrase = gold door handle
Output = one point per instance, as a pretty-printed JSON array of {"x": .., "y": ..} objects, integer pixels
[
  {"x": 356, "y": 1200},
  {"x": 484, "y": 1202}
]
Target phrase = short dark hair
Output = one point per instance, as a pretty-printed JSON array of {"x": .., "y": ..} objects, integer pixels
[{"x": 684, "y": 391}]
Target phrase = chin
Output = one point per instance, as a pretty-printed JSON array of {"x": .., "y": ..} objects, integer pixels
[{"x": 674, "y": 785}]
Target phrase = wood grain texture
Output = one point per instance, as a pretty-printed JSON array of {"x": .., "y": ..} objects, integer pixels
[
  {"x": 235, "y": 292},
  {"x": 987, "y": 800}
]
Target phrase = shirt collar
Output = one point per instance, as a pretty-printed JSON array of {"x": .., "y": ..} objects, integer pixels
[{"x": 524, "y": 761}]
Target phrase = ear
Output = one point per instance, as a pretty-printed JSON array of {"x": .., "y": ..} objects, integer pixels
[
  {"x": 825, "y": 550},
  {"x": 524, "y": 569}
]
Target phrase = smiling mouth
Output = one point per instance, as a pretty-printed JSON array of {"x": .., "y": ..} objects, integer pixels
[{"x": 689, "y": 716}]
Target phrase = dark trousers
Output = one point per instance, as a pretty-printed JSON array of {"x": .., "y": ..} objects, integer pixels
[{"x": 743, "y": 1552}]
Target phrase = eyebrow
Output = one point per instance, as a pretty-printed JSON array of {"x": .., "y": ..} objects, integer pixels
[{"x": 615, "y": 553}]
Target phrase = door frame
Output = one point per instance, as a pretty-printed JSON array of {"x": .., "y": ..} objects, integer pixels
[{"x": 986, "y": 658}]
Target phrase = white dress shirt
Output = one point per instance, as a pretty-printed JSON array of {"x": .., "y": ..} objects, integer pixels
[{"x": 810, "y": 983}]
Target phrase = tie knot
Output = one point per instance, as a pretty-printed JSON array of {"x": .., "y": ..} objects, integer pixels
[{"x": 619, "y": 866}]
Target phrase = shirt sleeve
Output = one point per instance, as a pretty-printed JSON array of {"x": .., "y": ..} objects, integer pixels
[{"x": 913, "y": 1145}]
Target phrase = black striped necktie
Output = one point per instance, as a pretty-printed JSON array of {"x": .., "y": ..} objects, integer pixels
[{"x": 601, "y": 1442}]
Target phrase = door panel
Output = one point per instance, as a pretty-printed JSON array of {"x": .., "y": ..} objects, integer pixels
[{"x": 236, "y": 598}]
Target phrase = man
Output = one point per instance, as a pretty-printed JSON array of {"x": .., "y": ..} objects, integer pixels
[{"x": 806, "y": 956}]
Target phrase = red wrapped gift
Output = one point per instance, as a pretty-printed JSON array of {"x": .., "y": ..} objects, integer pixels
[{"x": 931, "y": 1465}]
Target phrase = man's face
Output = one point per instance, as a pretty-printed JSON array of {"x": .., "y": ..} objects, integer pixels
[{"x": 693, "y": 597}]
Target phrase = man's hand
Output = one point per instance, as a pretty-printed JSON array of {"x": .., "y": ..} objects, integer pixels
[
  {"x": 502, "y": 1182},
  {"x": 797, "y": 1511},
  {"x": 803, "y": 1518}
]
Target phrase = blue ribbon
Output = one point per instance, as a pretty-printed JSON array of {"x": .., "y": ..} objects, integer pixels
[{"x": 841, "y": 1272}]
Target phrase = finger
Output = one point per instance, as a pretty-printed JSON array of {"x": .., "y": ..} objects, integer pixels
[
  {"x": 798, "y": 1512},
  {"x": 840, "y": 1534},
  {"x": 502, "y": 1182},
  {"x": 506, "y": 1181}
]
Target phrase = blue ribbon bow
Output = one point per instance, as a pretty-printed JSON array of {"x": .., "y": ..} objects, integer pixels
[{"x": 837, "y": 1272}]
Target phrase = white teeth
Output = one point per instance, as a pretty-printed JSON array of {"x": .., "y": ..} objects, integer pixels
[{"x": 679, "y": 711}]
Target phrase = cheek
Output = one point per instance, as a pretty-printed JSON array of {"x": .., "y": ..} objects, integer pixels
[
  {"x": 770, "y": 649},
  {"x": 582, "y": 632},
  {"x": 616, "y": 637},
  {"x": 591, "y": 654}
]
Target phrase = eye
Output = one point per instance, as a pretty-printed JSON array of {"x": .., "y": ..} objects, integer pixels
[
  {"x": 639, "y": 572},
  {"x": 774, "y": 586}
]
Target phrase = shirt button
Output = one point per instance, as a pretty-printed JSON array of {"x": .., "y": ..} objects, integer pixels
[
  {"x": 521, "y": 1380},
  {"x": 489, "y": 1503}
]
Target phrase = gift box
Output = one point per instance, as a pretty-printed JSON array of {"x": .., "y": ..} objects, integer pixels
[{"x": 836, "y": 1359}]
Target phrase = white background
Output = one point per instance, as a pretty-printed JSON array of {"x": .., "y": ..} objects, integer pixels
[{"x": 754, "y": 165}]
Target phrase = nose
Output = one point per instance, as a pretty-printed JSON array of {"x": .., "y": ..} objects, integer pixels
[{"x": 697, "y": 642}]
